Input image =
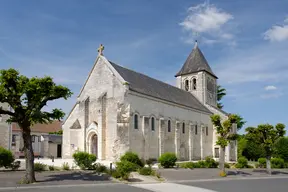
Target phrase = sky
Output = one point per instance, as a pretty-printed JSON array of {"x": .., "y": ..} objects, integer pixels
[{"x": 245, "y": 43}]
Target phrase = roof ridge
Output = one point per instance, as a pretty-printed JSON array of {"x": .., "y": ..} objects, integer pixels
[{"x": 148, "y": 76}]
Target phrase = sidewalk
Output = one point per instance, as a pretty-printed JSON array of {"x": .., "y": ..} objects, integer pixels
[{"x": 174, "y": 175}]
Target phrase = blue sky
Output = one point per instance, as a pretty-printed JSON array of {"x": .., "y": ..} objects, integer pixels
[{"x": 245, "y": 43}]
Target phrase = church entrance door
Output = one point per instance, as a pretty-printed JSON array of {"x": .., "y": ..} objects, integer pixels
[{"x": 94, "y": 146}]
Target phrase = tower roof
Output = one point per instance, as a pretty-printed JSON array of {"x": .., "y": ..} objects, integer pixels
[{"x": 195, "y": 62}]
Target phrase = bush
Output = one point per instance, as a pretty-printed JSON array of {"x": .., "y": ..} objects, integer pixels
[
  {"x": 210, "y": 163},
  {"x": 84, "y": 160},
  {"x": 202, "y": 164},
  {"x": 115, "y": 174},
  {"x": 6, "y": 158},
  {"x": 277, "y": 163},
  {"x": 65, "y": 166},
  {"x": 98, "y": 167},
  {"x": 132, "y": 158},
  {"x": 187, "y": 165},
  {"x": 39, "y": 167},
  {"x": 197, "y": 165},
  {"x": 167, "y": 160},
  {"x": 51, "y": 167},
  {"x": 145, "y": 171},
  {"x": 227, "y": 165},
  {"x": 124, "y": 168},
  {"x": 242, "y": 163},
  {"x": 262, "y": 163}
]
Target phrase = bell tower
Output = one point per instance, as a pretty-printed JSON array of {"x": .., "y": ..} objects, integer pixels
[{"x": 197, "y": 77}]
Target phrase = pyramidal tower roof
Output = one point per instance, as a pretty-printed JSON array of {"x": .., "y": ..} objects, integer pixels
[{"x": 195, "y": 62}]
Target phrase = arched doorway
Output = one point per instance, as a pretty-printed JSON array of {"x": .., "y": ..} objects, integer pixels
[{"x": 94, "y": 145}]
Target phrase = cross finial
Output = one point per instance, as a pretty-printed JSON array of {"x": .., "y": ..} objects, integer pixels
[{"x": 100, "y": 49}]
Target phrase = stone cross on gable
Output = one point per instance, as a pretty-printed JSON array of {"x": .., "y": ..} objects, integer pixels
[{"x": 101, "y": 49}]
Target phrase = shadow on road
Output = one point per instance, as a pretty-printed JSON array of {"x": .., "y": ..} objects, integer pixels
[{"x": 74, "y": 176}]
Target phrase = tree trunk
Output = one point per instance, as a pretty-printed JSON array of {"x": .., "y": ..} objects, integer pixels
[
  {"x": 29, "y": 157},
  {"x": 268, "y": 165},
  {"x": 222, "y": 159}
]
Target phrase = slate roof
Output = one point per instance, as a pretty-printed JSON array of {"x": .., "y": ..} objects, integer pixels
[
  {"x": 195, "y": 62},
  {"x": 148, "y": 86}
]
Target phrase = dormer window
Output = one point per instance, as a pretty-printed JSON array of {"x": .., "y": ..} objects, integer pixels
[
  {"x": 187, "y": 85},
  {"x": 194, "y": 84}
]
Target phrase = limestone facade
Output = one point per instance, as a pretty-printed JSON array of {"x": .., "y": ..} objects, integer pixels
[{"x": 109, "y": 119}]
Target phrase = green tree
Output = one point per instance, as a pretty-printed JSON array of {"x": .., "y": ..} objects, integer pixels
[
  {"x": 221, "y": 92},
  {"x": 225, "y": 133},
  {"x": 241, "y": 145},
  {"x": 266, "y": 135},
  {"x": 281, "y": 148},
  {"x": 27, "y": 96}
]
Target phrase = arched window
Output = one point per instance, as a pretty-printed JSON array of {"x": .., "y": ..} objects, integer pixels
[
  {"x": 169, "y": 126},
  {"x": 194, "y": 84},
  {"x": 152, "y": 124},
  {"x": 183, "y": 128},
  {"x": 135, "y": 121},
  {"x": 187, "y": 85}
]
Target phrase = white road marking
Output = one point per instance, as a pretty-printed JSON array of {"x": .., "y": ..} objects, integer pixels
[{"x": 170, "y": 187}]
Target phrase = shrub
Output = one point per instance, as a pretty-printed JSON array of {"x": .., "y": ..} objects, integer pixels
[
  {"x": 167, "y": 160},
  {"x": 187, "y": 165},
  {"x": 6, "y": 158},
  {"x": 124, "y": 168},
  {"x": 261, "y": 163},
  {"x": 145, "y": 171},
  {"x": 84, "y": 160},
  {"x": 51, "y": 167},
  {"x": 196, "y": 165},
  {"x": 98, "y": 167},
  {"x": 115, "y": 174},
  {"x": 65, "y": 166},
  {"x": 277, "y": 163},
  {"x": 202, "y": 164},
  {"x": 132, "y": 158},
  {"x": 226, "y": 165},
  {"x": 39, "y": 167},
  {"x": 210, "y": 163},
  {"x": 242, "y": 163}
]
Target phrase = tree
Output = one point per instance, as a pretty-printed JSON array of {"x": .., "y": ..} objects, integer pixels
[
  {"x": 281, "y": 148},
  {"x": 27, "y": 96},
  {"x": 266, "y": 135},
  {"x": 225, "y": 134},
  {"x": 221, "y": 92},
  {"x": 239, "y": 121}
]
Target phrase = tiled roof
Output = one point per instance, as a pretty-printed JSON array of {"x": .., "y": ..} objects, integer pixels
[{"x": 42, "y": 128}]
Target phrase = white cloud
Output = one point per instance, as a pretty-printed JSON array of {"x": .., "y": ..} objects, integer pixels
[
  {"x": 270, "y": 87},
  {"x": 277, "y": 32},
  {"x": 209, "y": 21}
]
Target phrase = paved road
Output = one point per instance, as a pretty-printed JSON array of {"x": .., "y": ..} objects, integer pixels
[
  {"x": 229, "y": 185},
  {"x": 240, "y": 185}
]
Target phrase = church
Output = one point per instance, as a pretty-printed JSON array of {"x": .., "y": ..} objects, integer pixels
[{"x": 119, "y": 110}]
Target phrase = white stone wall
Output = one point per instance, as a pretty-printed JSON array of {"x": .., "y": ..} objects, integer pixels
[
  {"x": 102, "y": 80},
  {"x": 145, "y": 142},
  {"x": 5, "y": 137}
]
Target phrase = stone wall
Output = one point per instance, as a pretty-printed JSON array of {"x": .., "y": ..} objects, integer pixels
[
  {"x": 147, "y": 143},
  {"x": 5, "y": 137},
  {"x": 103, "y": 80}
]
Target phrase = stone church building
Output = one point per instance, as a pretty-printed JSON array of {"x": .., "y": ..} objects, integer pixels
[{"x": 119, "y": 110}]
